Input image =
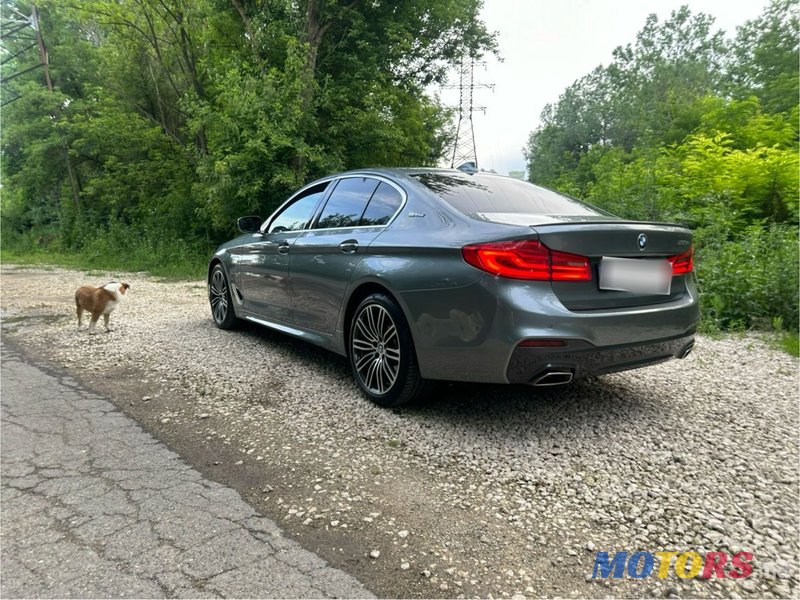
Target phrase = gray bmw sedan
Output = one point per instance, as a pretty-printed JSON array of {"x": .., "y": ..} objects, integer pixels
[{"x": 419, "y": 275}]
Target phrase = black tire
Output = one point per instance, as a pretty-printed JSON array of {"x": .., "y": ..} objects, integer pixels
[
  {"x": 382, "y": 354},
  {"x": 219, "y": 298}
]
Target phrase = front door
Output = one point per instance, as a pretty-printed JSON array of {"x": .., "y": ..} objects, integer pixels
[{"x": 264, "y": 266}]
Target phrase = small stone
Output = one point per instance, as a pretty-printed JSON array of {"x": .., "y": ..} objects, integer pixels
[
  {"x": 334, "y": 523},
  {"x": 403, "y": 533},
  {"x": 748, "y": 585},
  {"x": 375, "y": 554},
  {"x": 239, "y": 462},
  {"x": 267, "y": 489},
  {"x": 426, "y": 573},
  {"x": 147, "y": 398},
  {"x": 590, "y": 546},
  {"x": 405, "y": 566},
  {"x": 203, "y": 415}
]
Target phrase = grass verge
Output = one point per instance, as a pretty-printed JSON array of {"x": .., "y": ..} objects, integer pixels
[{"x": 181, "y": 270}]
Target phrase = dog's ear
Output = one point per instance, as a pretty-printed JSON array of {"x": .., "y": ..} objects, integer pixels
[{"x": 123, "y": 288}]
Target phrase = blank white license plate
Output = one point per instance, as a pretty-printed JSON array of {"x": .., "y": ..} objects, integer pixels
[{"x": 641, "y": 276}]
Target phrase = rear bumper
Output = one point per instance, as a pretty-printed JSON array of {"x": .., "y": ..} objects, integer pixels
[
  {"x": 472, "y": 333},
  {"x": 581, "y": 358}
]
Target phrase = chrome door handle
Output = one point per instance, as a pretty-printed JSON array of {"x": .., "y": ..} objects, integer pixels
[
  {"x": 283, "y": 248},
  {"x": 349, "y": 246}
]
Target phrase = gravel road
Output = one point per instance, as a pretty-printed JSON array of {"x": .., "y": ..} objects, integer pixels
[{"x": 485, "y": 491}]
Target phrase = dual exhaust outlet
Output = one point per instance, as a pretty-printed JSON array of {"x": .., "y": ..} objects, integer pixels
[{"x": 562, "y": 376}]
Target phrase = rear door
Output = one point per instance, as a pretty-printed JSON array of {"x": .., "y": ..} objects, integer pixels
[{"x": 324, "y": 257}]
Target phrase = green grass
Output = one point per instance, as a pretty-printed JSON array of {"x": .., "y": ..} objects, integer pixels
[
  {"x": 180, "y": 270},
  {"x": 790, "y": 343}
]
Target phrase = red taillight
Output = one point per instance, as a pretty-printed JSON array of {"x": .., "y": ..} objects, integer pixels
[
  {"x": 682, "y": 263},
  {"x": 527, "y": 259}
]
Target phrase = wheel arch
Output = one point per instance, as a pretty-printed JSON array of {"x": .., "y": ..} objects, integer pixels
[
  {"x": 213, "y": 263},
  {"x": 361, "y": 291}
]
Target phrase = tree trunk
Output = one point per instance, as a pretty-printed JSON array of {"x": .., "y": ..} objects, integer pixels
[{"x": 45, "y": 61}]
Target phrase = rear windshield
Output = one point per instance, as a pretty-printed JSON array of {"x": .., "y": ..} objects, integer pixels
[{"x": 482, "y": 193}]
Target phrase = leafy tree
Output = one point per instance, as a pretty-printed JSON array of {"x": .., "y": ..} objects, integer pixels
[
  {"x": 764, "y": 62},
  {"x": 685, "y": 126},
  {"x": 169, "y": 118}
]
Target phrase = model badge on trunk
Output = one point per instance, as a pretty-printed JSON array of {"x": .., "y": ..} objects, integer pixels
[{"x": 642, "y": 241}]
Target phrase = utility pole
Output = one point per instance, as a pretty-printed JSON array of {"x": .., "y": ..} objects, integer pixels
[{"x": 464, "y": 147}]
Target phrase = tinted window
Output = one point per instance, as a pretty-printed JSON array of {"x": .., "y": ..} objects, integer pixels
[
  {"x": 347, "y": 202},
  {"x": 297, "y": 215},
  {"x": 382, "y": 206},
  {"x": 482, "y": 193}
]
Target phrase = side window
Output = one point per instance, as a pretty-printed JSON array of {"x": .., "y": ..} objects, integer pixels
[
  {"x": 347, "y": 202},
  {"x": 382, "y": 206},
  {"x": 297, "y": 215}
]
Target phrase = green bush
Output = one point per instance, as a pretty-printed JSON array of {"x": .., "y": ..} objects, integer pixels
[{"x": 751, "y": 280}]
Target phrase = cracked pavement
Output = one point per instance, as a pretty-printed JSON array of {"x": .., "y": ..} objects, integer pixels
[{"x": 94, "y": 506}]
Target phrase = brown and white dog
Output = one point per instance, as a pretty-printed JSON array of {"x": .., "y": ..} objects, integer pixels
[{"x": 99, "y": 301}]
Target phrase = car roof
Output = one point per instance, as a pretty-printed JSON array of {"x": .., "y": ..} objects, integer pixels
[
  {"x": 407, "y": 171},
  {"x": 411, "y": 172}
]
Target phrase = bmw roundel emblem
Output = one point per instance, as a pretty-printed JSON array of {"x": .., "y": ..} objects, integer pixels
[{"x": 642, "y": 241}]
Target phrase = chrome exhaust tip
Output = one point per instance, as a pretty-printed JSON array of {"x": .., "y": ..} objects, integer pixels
[
  {"x": 552, "y": 377},
  {"x": 686, "y": 351}
]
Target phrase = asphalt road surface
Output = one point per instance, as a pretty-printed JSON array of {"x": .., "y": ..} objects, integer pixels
[{"x": 93, "y": 506}]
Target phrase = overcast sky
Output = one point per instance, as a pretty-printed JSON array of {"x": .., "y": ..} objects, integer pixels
[{"x": 548, "y": 44}]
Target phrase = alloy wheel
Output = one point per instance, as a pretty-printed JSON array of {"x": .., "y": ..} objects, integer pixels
[
  {"x": 219, "y": 296},
  {"x": 375, "y": 347}
]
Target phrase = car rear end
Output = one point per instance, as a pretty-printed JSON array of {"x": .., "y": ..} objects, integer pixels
[
  {"x": 581, "y": 299},
  {"x": 575, "y": 294}
]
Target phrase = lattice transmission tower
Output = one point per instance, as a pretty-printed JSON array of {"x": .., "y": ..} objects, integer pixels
[
  {"x": 19, "y": 34},
  {"x": 464, "y": 147}
]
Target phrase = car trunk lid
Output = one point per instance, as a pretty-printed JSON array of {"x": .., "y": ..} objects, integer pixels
[{"x": 614, "y": 239}]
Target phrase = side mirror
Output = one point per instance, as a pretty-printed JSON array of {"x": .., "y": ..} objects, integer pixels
[{"x": 249, "y": 224}]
